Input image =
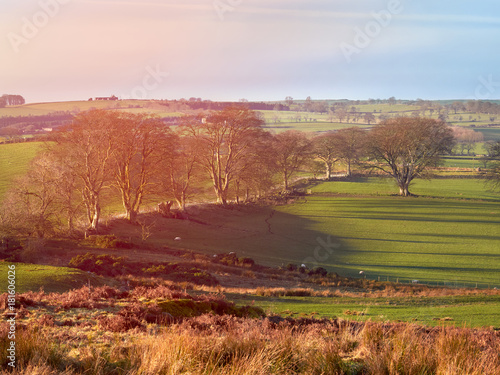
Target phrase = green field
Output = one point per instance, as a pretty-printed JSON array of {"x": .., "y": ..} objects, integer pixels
[
  {"x": 50, "y": 279},
  {"x": 470, "y": 311},
  {"x": 310, "y": 127},
  {"x": 462, "y": 188},
  {"x": 449, "y": 235},
  {"x": 14, "y": 160}
]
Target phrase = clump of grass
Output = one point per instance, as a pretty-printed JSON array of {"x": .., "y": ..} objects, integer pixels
[
  {"x": 284, "y": 292},
  {"x": 211, "y": 344}
]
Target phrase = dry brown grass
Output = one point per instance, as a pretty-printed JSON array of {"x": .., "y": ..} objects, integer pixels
[{"x": 228, "y": 345}]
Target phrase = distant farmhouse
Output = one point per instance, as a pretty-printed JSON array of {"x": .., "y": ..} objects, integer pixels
[{"x": 113, "y": 97}]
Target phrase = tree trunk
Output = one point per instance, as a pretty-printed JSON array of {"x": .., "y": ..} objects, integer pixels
[
  {"x": 238, "y": 192},
  {"x": 403, "y": 189},
  {"x": 285, "y": 180},
  {"x": 94, "y": 225},
  {"x": 221, "y": 196},
  {"x": 71, "y": 226},
  {"x": 183, "y": 201},
  {"x": 328, "y": 170},
  {"x": 349, "y": 169},
  {"x": 132, "y": 216}
]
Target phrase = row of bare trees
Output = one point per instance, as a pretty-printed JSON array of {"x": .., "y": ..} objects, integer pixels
[
  {"x": 6, "y": 100},
  {"x": 104, "y": 155}
]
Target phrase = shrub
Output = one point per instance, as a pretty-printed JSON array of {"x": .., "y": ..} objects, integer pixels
[
  {"x": 319, "y": 271},
  {"x": 231, "y": 259},
  {"x": 188, "y": 308},
  {"x": 107, "y": 265},
  {"x": 291, "y": 267},
  {"x": 181, "y": 273},
  {"x": 108, "y": 241},
  {"x": 160, "y": 291},
  {"x": 9, "y": 246},
  {"x": 119, "y": 323},
  {"x": 246, "y": 262}
]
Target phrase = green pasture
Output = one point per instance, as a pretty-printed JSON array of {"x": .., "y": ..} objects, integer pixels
[
  {"x": 384, "y": 108},
  {"x": 448, "y": 235},
  {"x": 469, "y": 311},
  {"x": 14, "y": 161},
  {"x": 470, "y": 162},
  {"x": 490, "y": 134},
  {"x": 461, "y": 188},
  {"x": 51, "y": 279},
  {"x": 310, "y": 127}
]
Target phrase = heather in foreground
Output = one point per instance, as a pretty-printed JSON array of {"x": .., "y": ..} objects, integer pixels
[{"x": 224, "y": 344}]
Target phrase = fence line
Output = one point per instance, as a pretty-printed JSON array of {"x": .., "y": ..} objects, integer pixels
[{"x": 438, "y": 283}]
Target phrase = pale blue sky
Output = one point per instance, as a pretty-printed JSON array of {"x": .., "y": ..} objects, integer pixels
[{"x": 260, "y": 50}]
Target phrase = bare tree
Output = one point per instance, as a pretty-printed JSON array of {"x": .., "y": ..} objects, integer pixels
[
  {"x": 349, "y": 145},
  {"x": 140, "y": 144},
  {"x": 182, "y": 166},
  {"x": 291, "y": 150},
  {"x": 493, "y": 164},
  {"x": 467, "y": 138},
  {"x": 257, "y": 173},
  {"x": 406, "y": 147},
  {"x": 30, "y": 207},
  {"x": 87, "y": 145},
  {"x": 324, "y": 147},
  {"x": 369, "y": 117},
  {"x": 224, "y": 139},
  {"x": 341, "y": 113}
]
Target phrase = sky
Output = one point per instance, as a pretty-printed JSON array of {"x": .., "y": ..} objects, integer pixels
[{"x": 61, "y": 50}]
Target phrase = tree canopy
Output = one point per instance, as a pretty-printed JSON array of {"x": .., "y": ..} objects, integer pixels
[{"x": 405, "y": 148}]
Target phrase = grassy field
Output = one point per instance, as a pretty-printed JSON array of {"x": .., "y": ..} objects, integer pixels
[
  {"x": 449, "y": 235},
  {"x": 436, "y": 237},
  {"x": 462, "y": 188},
  {"x": 470, "y": 311},
  {"x": 310, "y": 127},
  {"x": 14, "y": 160},
  {"x": 51, "y": 279}
]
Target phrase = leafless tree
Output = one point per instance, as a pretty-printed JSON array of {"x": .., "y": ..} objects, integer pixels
[
  {"x": 406, "y": 147},
  {"x": 291, "y": 150},
  {"x": 31, "y": 206},
  {"x": 324, "y": 147},
  {"x": 182, "y": 167},
  {"x": 341, "y": 113},
  {"x": 369, "y": 117},
  {"x": 141, "y": 143},
  {"x": 224, "y": 139},
  {"x": 467, "y": 138},
  {"x": 87, "y": 145},
  {"x": 349, "y": 145},
  {"x": 493, "y": 164}
]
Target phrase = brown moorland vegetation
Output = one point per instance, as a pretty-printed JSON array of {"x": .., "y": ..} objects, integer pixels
[{"x": 164, "y": 330}]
